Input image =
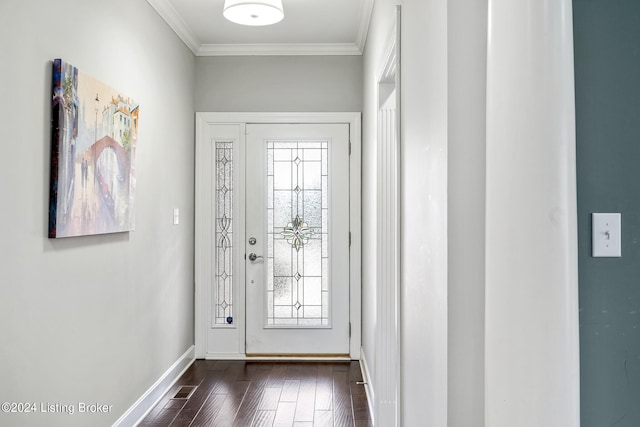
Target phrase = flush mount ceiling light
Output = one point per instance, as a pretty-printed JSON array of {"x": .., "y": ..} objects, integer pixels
[{"x": 253, "y": 12}]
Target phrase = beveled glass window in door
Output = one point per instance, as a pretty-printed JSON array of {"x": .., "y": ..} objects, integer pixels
[
  {"x": 224, "y": 234},
  {"x": 297, "y": 234}
]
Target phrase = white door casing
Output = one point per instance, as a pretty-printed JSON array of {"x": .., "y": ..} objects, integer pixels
[
  {"x": 388, "y": 371},
  {"x": 227, "y": 340}
]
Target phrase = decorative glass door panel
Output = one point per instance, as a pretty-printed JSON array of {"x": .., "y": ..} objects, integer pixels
[
  {"x": 297, "y": 211},
  {"x": 297, "y": 233},
  {"x": 223, "y": 312}
]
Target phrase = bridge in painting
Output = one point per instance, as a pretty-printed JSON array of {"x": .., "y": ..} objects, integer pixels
[
  {"x": 105, "y": 183},
  {"x": 107, "y": 142}
]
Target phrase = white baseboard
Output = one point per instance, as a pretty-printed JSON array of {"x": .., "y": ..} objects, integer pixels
[
  {"x": 368, "y": 385},
  {"x": 152, "y": 396}
]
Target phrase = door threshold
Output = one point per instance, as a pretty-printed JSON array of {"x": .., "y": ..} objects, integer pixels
[
  {"x": 300, "y": 357},
  {"x": 259, "y": 357}
]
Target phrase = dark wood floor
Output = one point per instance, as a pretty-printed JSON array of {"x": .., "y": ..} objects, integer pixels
[{"x": 278, "y": 394}]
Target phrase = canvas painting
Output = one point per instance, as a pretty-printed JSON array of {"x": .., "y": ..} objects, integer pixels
[{"x": 93, "y": 156}]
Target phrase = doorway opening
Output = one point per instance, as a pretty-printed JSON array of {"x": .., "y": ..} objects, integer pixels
[{"x": 278, "y": 236}]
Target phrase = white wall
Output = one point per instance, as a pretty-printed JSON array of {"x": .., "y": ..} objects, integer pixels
[
  {"x": 424, "y": 212},
  {"x": 443, "y": 154},
  {"x": 446, "y": 350},
  {"x": 380, "y": 30},
  {"x": 279, "y": 83},
  {"x": 93, "y": 319},
  {"x": 423, "y": 202},
  {"x": 532, "y": 363},
  {"x": 467, "y": 56}
]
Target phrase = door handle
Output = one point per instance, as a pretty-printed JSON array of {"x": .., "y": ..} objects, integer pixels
[{"x": 253, "y": 257}]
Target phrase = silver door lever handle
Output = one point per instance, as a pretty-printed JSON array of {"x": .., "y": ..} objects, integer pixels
[{"x": 253, "y": 257}]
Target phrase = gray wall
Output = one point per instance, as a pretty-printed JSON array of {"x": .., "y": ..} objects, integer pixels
[
  {"x": 279, "y": 83},
  {"x": 100, "y": 318},
  {"x": 607, "y": 66}
]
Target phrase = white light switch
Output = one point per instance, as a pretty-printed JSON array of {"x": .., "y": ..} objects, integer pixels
[
  {"x": 176, "y": 216},
  {"x": 605, "y": 235}
]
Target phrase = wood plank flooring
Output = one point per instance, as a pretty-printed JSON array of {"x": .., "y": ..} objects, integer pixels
[{"x": 266, "y": 394}]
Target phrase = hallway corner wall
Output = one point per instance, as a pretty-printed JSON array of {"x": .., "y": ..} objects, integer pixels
[
  {"x": 467, "y": 65},
  {"x": 94, "y": 319},
  {"x": 424, "y": 207},
  {"x": 531, "y": 322}
]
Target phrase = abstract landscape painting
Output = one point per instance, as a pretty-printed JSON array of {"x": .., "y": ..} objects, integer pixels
[{"x": 93, "y": 153}]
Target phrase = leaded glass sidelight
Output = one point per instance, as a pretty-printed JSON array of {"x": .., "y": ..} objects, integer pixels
[
  {"x": 224, "y": 234},
  {"x": 297, "y": 233}
]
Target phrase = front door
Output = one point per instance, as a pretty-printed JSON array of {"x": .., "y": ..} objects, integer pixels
[{"x": 297, "y": 239}]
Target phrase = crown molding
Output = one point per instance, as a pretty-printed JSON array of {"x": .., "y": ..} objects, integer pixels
[
  {"x": 171, "y": 16},
  {"x": 366, "y": 10},
  {"x": 279, "y": 49},
  {"x": 165, "y": 9}
]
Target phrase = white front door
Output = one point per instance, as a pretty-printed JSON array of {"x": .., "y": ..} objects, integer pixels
[{"x": 297, "y": 239}]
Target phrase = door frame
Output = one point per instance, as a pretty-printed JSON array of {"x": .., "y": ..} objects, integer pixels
[
  {"x": 388, "y": 374},
  {"x": 203, "y": 277}
]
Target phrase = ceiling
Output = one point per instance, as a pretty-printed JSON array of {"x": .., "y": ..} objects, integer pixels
[{"x": 309, "y": 27}]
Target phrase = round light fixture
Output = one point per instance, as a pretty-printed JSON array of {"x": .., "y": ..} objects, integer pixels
[{"x": 253, "y": 12}]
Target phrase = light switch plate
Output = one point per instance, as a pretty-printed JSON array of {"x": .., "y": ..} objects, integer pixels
[
  {"x": 606, "y": 235},
  {"x": 176, "y": 216}
]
